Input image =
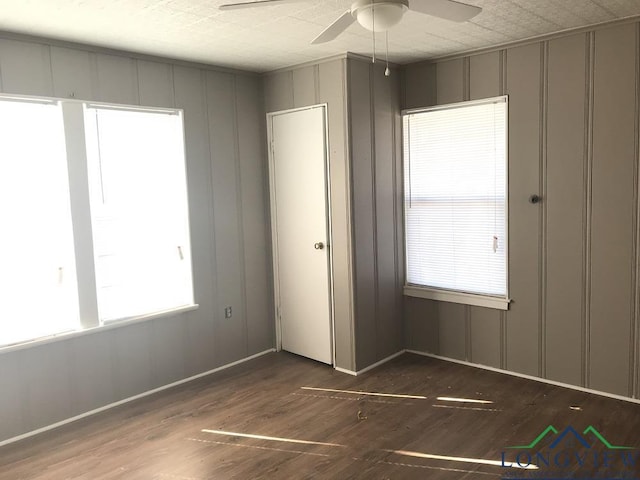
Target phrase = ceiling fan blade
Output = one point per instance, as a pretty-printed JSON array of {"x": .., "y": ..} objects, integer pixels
[
  {"x": 257, "y": 3},
  {"x": 335, "y": 29},
  {"x": 447, "y": 9}
]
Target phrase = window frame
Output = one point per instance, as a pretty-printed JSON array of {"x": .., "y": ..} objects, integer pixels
[
  {"x": 41, "y": 119},
  {"x": 498, "y": 302},
  {"x": 91, "y": 108},
  {"x": 73, "y": 112}
]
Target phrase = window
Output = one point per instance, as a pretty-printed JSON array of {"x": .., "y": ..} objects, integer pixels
[
  {"x": 93, "y": 204},
  {"x": 138, "y": 210},
  {"x": 38, "y": 294},
  {"x": 455, "y": 202}
]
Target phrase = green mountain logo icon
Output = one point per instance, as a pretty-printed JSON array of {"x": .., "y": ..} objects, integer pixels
[{"x": 570, "y": 432}]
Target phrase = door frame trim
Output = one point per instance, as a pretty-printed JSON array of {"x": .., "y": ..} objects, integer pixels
[{"x": 273, "y": 223}]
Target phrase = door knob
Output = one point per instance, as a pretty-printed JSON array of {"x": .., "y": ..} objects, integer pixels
[{"x": 318, "y": 246}]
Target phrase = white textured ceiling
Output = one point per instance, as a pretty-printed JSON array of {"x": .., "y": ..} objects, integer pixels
[{"x": 267, "y": 38}]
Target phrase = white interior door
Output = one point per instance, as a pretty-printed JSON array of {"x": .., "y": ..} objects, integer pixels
[{"x": 300, "y": 231}]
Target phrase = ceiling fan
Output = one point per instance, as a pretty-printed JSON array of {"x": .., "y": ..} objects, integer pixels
[{"x": 377, "y": 15}]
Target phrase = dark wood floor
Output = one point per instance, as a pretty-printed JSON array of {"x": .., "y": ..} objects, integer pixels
[{"x": 199, "y": 430}]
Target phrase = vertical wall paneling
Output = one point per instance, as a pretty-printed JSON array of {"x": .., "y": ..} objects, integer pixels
[
  {"x": 466, "y": 96},
  {"x": 485, "y": 340},
  {"x": 11, "y": 400},
  {"x": 71, "y": 71},
  {"x": 116, "y": 79},
  {"x": 466, "y": 80},
  {"x": 419, "y": 85},
  {"x": 421, "y": 326},
  {"x": 565, "y": 203},
  {"x": 374, "y": 113},
  {"x": 574, "y": 107},
  {"x": 155, "y": 84},
  {"x": 132, "y": 359},
  {"x": 503, "y": 314},
  {"x": 361, "y": 141},
  {"x": 453, "y": 319},
  {"x": 199, "y": 329},
  {"x": 612, "y": 210},
  {"x": 93, "y": 372},
  {"x": 385, "y": 111},
  {"x": 365, "y": 174},
  {"x": 332, "y": 90},
  {"x": 47, "y": 387},
  {"x": 542, "y": 188},
  {"x": 278, "y": 91},
  {"x": 167, "y": 364},
  {"x": 450, "y": 81},
  {"x": 227, "y": 216},
  {"x": 484, "y": 76},
  {"x": 485, "y": 336},
  {"x": 25, "y": 68},
  {"x": 523, "y": 87},
  {"x": 304, "y": 86},
  {"x": 253, "y": 172},
  {"x": 327, "y": 82},
  {"x": 396, "y": 227},
  {"x": 636, "y": 289},
  {"x": 49, "y": 383},
  {"x": 587, "y": 213},
  {"x": 398, "y": 182}
]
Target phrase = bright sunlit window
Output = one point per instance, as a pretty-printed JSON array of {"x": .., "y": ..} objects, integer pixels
[
  {"x": 94, "y": 215},
  {"x": 455, "y": 197},
  {"x": 139, "y": 211},
  {"x": 38, "y": 291}
]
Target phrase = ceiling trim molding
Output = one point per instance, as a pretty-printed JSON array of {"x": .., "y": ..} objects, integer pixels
[
  {"x": 340, "y": 56},
  {"x": 21, "y": 37},
  {"x": 530, "y": 40},
  {"x": 332, "y": 58}
]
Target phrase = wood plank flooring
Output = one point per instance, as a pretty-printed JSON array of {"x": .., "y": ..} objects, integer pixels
[{"x": 285, "y": 417}]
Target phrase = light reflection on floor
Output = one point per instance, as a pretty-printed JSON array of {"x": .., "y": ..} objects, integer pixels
[
  {"x": 265, "y": 437},
  {"x": 479, "y": 461},
  {"x": 373, "y": 394},
  {"x": 463, "y": 400},
  {"x": 406, "y": 453}
]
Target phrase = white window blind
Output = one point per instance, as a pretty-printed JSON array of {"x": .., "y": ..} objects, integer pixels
[
  {"x": 455, "y": 197},
  {"x": 139, "y": 211},
  {"x": 38, "y": 290}
]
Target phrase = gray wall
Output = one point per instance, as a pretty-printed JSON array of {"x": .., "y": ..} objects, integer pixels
[
  {"x": 226, "y": 168},
  {"x": 363, "y": 107},
  {"x": 321, "y": 83},
  {"x": 573, "y": 258},
  {"x": 375, "y": 143},
  {"x": 573, "y": 139}
]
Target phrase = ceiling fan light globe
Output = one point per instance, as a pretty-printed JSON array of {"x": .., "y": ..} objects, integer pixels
[{"x": 385, "y": 16}]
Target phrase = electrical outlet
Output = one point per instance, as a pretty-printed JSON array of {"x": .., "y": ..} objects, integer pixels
[{"x": 228, "y": 313}]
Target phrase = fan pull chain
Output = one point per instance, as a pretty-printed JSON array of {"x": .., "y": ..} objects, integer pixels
[
  {"x": 373, "y": 31},
  {"x": 387, "y": 72}
]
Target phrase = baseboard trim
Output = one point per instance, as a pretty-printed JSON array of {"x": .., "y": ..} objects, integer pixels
[
  {"x": 528, "y": 377},
  {"x": 131, "y": 399},
  {"x": 370, "y": 367},
  {"x": 344, "y": 370}
]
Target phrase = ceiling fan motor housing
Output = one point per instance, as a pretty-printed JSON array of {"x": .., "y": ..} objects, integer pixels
[{"x": 379, "y": 16}]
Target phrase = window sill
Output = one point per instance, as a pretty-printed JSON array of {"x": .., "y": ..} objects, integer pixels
[
  {"x": 487, "y": 301},
  {"x": 102, "y": 328}
]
